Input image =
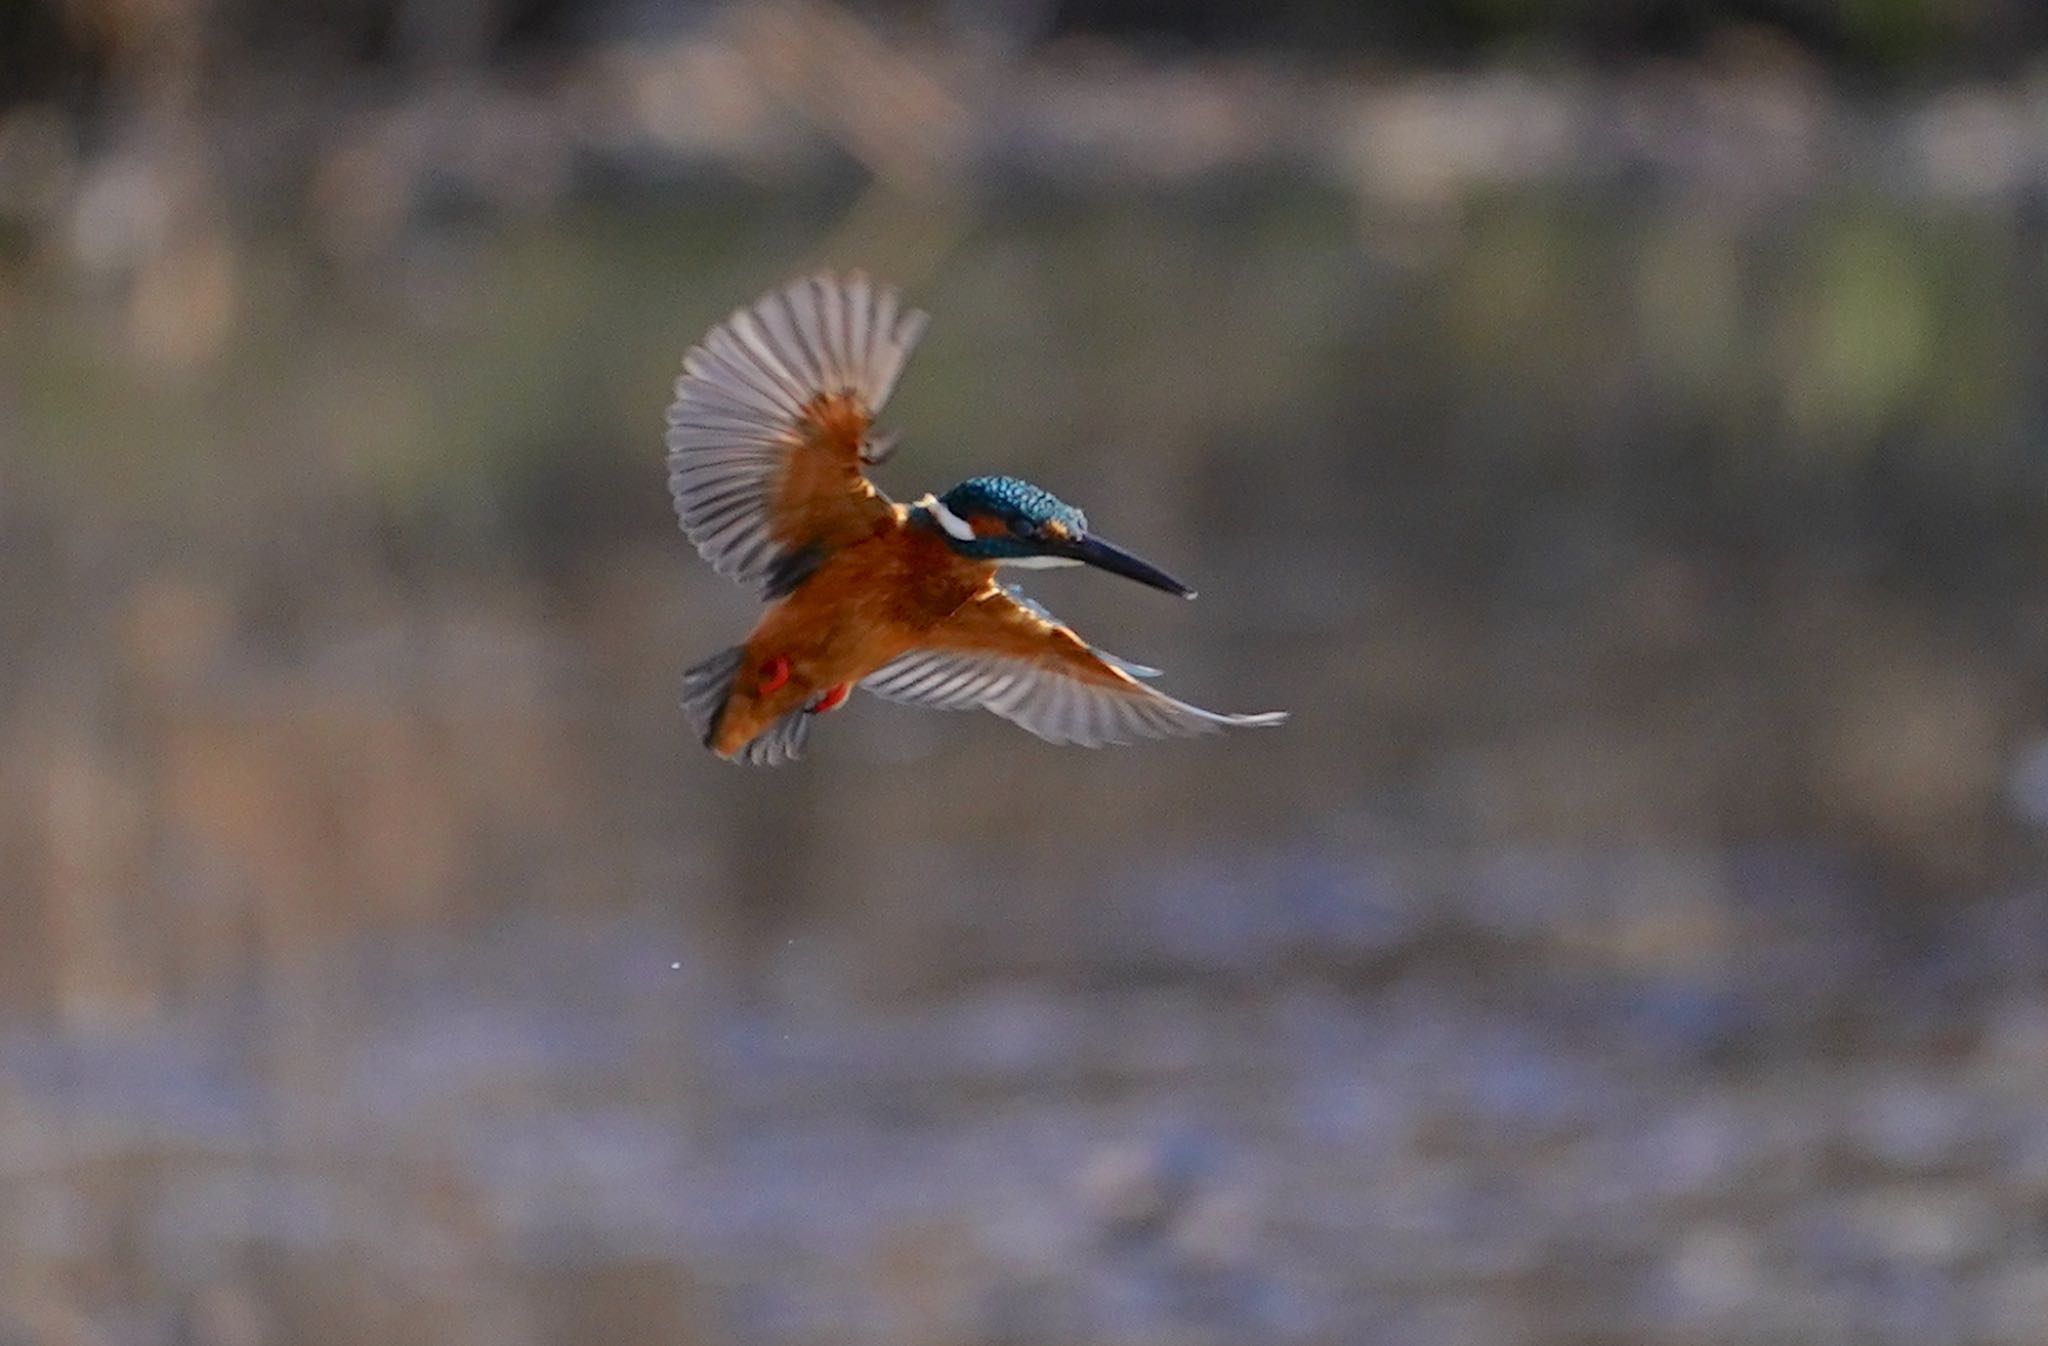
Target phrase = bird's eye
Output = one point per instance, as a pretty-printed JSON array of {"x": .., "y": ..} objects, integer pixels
[{"x": 774, "y": 673}]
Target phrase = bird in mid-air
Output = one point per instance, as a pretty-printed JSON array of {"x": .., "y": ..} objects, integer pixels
[{"x": 768, "y": 438}]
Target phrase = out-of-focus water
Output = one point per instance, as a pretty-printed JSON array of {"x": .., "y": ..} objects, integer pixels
[{"x": 1636, "y": 935}]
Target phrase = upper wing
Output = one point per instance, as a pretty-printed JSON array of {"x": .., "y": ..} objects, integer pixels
[
  {"x": 1008, "y": 655},
  {"x": 768, "y": 432}
]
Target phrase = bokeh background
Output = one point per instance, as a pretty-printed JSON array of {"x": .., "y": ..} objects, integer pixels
[{"x": 1614, "y": 429}]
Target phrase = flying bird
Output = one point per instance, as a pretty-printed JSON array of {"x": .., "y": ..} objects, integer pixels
[{"x": 769, "y": 438}]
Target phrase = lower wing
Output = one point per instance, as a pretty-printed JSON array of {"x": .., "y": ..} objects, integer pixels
[{"x": 1005, "y": 654}]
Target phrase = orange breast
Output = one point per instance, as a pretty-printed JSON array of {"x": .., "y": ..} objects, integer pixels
[{"x": 865, "y": 605}]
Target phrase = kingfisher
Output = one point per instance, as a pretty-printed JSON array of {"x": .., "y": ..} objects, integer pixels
[{"x": 769, "y": 440}]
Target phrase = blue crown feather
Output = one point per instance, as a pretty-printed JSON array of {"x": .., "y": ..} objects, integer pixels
[{"x": 1013, "y": 501}]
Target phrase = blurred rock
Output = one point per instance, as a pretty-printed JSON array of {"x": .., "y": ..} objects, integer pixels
[
  {"x": 1713, "y": 1274},
  {"x": 1913, "y": 1127},
  {"x": 2016, "y": 1303}
]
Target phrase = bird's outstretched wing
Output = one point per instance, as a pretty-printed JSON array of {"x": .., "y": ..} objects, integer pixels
[
  {"x": 770, "y": 427},
  {"x": 1010, "y": 656}
]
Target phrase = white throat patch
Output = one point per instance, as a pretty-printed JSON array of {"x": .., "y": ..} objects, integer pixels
[
  {"x": 954, "y": 525},
  {"x": 1037, "y": 562}
]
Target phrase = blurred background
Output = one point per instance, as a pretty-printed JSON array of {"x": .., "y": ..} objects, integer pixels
[{"x": 1614, "y": 429}]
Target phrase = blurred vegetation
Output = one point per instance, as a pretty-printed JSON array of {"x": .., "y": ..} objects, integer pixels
[
  {"x": 69, "y": 46},
  {"x": 1613, "y": 430},
  {"x": 1847, "y": 373}
]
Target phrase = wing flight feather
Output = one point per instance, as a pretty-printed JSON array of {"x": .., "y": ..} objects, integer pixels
[
  {"x": 771, "y": 414},
  {"x": 1005, "y": 654}
]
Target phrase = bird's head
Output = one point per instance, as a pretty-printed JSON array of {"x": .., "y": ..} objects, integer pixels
[{"x": 1012, "y": 522}]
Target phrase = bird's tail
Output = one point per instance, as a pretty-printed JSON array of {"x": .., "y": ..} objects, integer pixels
[{"x": 707, "y": 687}]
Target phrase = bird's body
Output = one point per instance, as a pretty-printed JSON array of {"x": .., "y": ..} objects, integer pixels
[
  {"x": 865, "y": 605},
  {"x": 768, "y": 437}
]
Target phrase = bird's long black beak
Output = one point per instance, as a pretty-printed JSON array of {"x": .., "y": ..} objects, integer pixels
[{"x": 1094, "y": 551}]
